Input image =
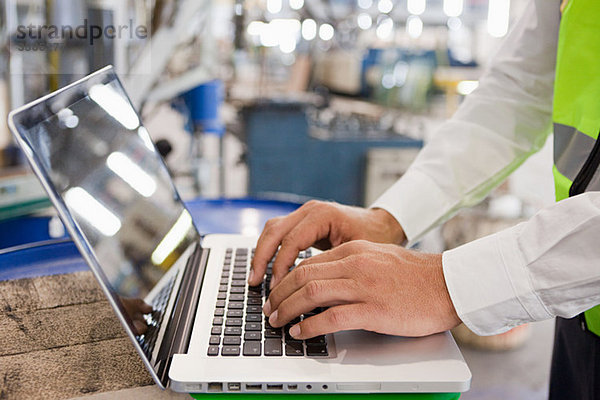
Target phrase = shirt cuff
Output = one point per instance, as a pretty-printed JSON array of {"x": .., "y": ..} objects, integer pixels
[
  {"x": 490, "y": 286},
  {"x": 416, "y": 202}
]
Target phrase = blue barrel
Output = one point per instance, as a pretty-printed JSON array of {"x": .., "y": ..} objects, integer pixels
[{"x": 204, "y": 103}]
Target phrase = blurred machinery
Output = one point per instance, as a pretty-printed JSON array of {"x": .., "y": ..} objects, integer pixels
[{"x": 288, "y": 153}]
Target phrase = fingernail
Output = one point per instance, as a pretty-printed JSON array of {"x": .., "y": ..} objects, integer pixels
[
  {"x": 295, "y": 331},
  {"x": 251, "y": 275},
  {"x": 273, "y": 318},
  {"x": 267, "y": 308}
]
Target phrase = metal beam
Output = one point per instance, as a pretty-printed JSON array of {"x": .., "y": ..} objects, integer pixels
[{"x": 155, "y": 57}]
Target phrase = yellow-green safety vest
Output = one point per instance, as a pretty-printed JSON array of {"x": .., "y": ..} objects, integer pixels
[{"x": 576, "y": 111}]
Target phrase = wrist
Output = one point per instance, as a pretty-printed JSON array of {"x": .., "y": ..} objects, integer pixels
[
  {"x": 392, "y": 229},
  {"x": 449, "y": 317}
]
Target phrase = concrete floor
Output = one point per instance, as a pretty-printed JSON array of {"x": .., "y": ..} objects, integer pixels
[{"x": 520, "y": 374}]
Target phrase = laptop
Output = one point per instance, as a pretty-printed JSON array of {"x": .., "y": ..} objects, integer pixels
[{"x": 205, "y": 331}]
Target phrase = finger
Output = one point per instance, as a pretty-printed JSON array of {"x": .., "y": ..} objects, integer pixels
[
  {"x": 142, "y": 306},
  {"x": 315, "y": 294},
  {"x": 139, "y": 327},
  {"x": 335, "y": 254},
  {"x": 334, "y": 319},
  {"x": 298, "y": 278},
  {"x": 309, "y": 231},
  {"x": 268, "y": 242}
]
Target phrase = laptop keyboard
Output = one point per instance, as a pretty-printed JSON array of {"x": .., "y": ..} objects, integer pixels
[
  {"x": 239, "y": 327},
  {"x": 155, "y": 318}
]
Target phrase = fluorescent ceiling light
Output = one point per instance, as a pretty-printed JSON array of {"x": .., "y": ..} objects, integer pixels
[
  {"x": 173, "y": 238},
  {"x": 131, "y": 173},
  {"x": 116, "y": 105},
  {"x": 94, "y": 212},
  {"x": 309, "y": 29},
  {"x": 498, "y": 17},
  {"x": 326, "y": 32},
  {"x": 416, "y": 7},
  {"x": 453, "y": 8}
]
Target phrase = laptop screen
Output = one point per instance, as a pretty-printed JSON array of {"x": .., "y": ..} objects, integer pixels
[{"x": 100, "y": 164}]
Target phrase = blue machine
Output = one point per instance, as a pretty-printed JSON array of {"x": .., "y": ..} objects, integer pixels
[{"x": 284, "y": 158}]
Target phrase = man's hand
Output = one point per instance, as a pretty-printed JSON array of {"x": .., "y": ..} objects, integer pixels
[
  {"x": 319, "y": 224},
  {"x": 375, "y": 287}
]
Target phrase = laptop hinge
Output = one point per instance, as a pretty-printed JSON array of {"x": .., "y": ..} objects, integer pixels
[{"x": 177, "y": 337}]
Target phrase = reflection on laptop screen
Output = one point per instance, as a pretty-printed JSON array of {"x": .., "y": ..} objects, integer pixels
[{"x": 91, "y": 145}]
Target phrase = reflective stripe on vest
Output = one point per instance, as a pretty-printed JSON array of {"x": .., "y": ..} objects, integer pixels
[{"x": 576, "y": 111}]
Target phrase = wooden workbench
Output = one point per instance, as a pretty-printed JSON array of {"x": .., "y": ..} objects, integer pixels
[{"x": 60, "y": 339}]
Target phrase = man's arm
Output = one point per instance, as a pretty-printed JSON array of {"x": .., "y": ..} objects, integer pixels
[
  {"x": 545, "y": 267},
  {"x": 498, "y": 126}
]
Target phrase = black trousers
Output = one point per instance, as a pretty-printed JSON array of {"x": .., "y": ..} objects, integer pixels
[{"x": 575, "y": 372}]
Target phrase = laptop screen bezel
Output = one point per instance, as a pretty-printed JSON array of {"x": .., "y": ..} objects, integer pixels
[{"x": 34, "y": 113}]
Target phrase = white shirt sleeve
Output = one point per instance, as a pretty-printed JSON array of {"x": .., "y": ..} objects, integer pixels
[
  {"x": 539, "y": 269},
  {"x": 497, "y": 127}
]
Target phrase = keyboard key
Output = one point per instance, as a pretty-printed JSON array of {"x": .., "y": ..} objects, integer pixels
[
  {"x": 233, "y": 322},
  {"x": 233, "y": 331},
  {"x": 253, "y": 336},
  {"x": 255, "y": 294},
  {"x": 273, "y": 333},
  {"x": 213, "y": 351},
  {"x": 317, "y": 340},
  {"x": 236, "y": 297},
  {"x": 253, "y": 318},
  {"x": 253, "y": 310},
  {"x": 273, "y": 347},
  {"x": 241, "y": 277},
  {"x": 225, "y": 275},
  {"x": 224, "y": 281},
  {"x": 223, "y": 288},
  {"x": 218, "y": 321},
  {"x": 215, "y": 340},
  {"x": 254, "y": 301},
  {"x": 294, "y": 348},
  {"x": 316, "y": 350},
  {"x": 239, "y": 270},
  {"x": 222, "y": 296},
  {"x": 235, "y": 314},
  {"x": 241, "y": 290},
  {"x": 216, "y": 330},
  {"x": 220, "y": 303},
  {"x": 232, "y": 341},
  {"x": 230, "y": 351},
  {"x": 219, "y": 312},
  {"x": 253, "y": 326},
  {"x": 252, "y": 348},
  {"x": 236, "y": 305},
  {"x": 238, "y": 282},
  {"x": 286, "y": 329}
]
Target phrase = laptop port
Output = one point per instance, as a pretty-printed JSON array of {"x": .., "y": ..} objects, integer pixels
[
  {"x": 292, "y": 387},
  {"x": 253, "y": 387},
  {"x": 215, "y": 387},
  {"x": 234, "y": 387},
  {"x": 274, "y": 387}
]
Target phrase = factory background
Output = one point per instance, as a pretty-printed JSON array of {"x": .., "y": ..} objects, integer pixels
[{"x": 289, "y": 100}]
